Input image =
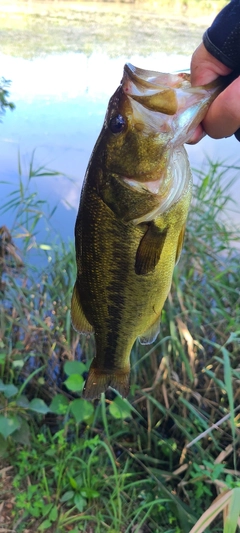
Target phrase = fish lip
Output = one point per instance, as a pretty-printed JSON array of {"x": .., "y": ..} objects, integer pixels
[
  {"x": 149, "y": 90},
  {"x": 152, "y": 79},
  {"x": 140, "y": 79}
]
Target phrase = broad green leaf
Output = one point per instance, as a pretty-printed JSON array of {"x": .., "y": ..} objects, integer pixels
[
  {"x": 89, "y": 493},
  {"x": 8, "y": 425},
  {"x": 81, "y": 409},
  {"x": 46, "y": 510},
  {"x": 73, "y": 483},
  {"x": 67, "y": 496},
  {"x": 80, "y": 502},
  {"x": 74, "y": 367},
  {"x": 39, "y": 406},
  {"x": 22, "y": 401},
  {"x": 22, "y": 435},
  {"x": 59, "y": 404},
  {"x": 74, "y": 383},
  {"x": 120, "y": 408},
  {"x": 46, "y": 524},
  {"x": 10, "y": 390},
  {"x": 53, "y": 514}
]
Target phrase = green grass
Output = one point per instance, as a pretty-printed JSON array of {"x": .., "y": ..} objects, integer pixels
[{"x": 156, "y": 461}]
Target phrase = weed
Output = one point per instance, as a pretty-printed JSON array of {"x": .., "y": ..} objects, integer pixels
[
  {"x": 164, "y": 459},
  {"x": 4, "y": 94}
]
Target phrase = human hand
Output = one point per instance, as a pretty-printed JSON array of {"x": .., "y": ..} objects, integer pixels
[{"x": 223, "y": 116}]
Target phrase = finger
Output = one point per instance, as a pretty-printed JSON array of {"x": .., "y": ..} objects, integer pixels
[
  {"x": 206, "y": 68},
  {"x": 197, "y": 135},
  {"x": 223, "y": 116}
]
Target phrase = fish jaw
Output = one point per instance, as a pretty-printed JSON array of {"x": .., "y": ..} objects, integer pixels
[
  {"x": 182, "y": 107},
  {"x": 160, "y": 112}
]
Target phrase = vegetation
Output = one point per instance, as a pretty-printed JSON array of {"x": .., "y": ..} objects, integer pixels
[
  {"x": 170, "y": 452},
  {"x": 4, "y": 94}
]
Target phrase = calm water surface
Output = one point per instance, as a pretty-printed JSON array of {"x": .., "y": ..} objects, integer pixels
[{"x": 61, "y": 98}]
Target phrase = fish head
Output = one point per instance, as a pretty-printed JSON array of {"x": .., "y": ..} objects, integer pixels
[
  {"x": 148, "y": 117},
  {"x": 136, "y": 140}
]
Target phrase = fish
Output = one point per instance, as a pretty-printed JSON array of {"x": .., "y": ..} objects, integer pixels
[{"x": 132, "y": 216}]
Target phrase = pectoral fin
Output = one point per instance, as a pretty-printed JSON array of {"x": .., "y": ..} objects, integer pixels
[
  {"x": 79, "y": 321},
  {"x": 180, "y": 243},
  {"x": 150, "y": 249},
  {"x": 151, "y": 334}
]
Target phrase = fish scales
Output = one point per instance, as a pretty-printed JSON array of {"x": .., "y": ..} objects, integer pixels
[{"x": 132, "y": 215}]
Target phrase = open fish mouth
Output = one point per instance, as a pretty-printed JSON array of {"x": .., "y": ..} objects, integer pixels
[
  {"x": 149, "y": 90},
  {"x": 156, "y": 91},
  {"x": 150, "y": 79},
  {"x": 162, "y": 111},
  {"x": 172, "y": 96}
]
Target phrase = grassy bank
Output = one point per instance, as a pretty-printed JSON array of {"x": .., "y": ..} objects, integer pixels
[
  {"x": 34, "y": 29},
  {"x": 152, "y": 463}
]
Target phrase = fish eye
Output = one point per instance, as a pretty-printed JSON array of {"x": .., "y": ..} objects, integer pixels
[{"x": 117, "y": 124}]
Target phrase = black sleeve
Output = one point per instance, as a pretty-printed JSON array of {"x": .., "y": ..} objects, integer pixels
[{"x": 222, "y": 39}]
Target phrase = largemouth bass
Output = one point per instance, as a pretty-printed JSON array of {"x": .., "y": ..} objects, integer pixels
[{"x": 131, "y": 221}]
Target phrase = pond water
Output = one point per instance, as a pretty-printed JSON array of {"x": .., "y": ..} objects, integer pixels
[{"x": 64, "y": 65}]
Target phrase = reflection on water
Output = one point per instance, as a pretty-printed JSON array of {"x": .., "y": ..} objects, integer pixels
[{"x": 60, "y": 105}]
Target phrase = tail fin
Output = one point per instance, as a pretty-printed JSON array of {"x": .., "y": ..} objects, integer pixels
[{"x": 99, "y": 380}]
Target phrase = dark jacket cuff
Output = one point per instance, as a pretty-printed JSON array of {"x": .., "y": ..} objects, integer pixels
[{"x": 215, "y": 52}]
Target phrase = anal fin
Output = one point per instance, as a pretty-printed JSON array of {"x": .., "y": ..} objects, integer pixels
[
  {"x": 79, "y": 321},
  {"x": 149, "y": 249},
  {"x": 151, "y": 334}
]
